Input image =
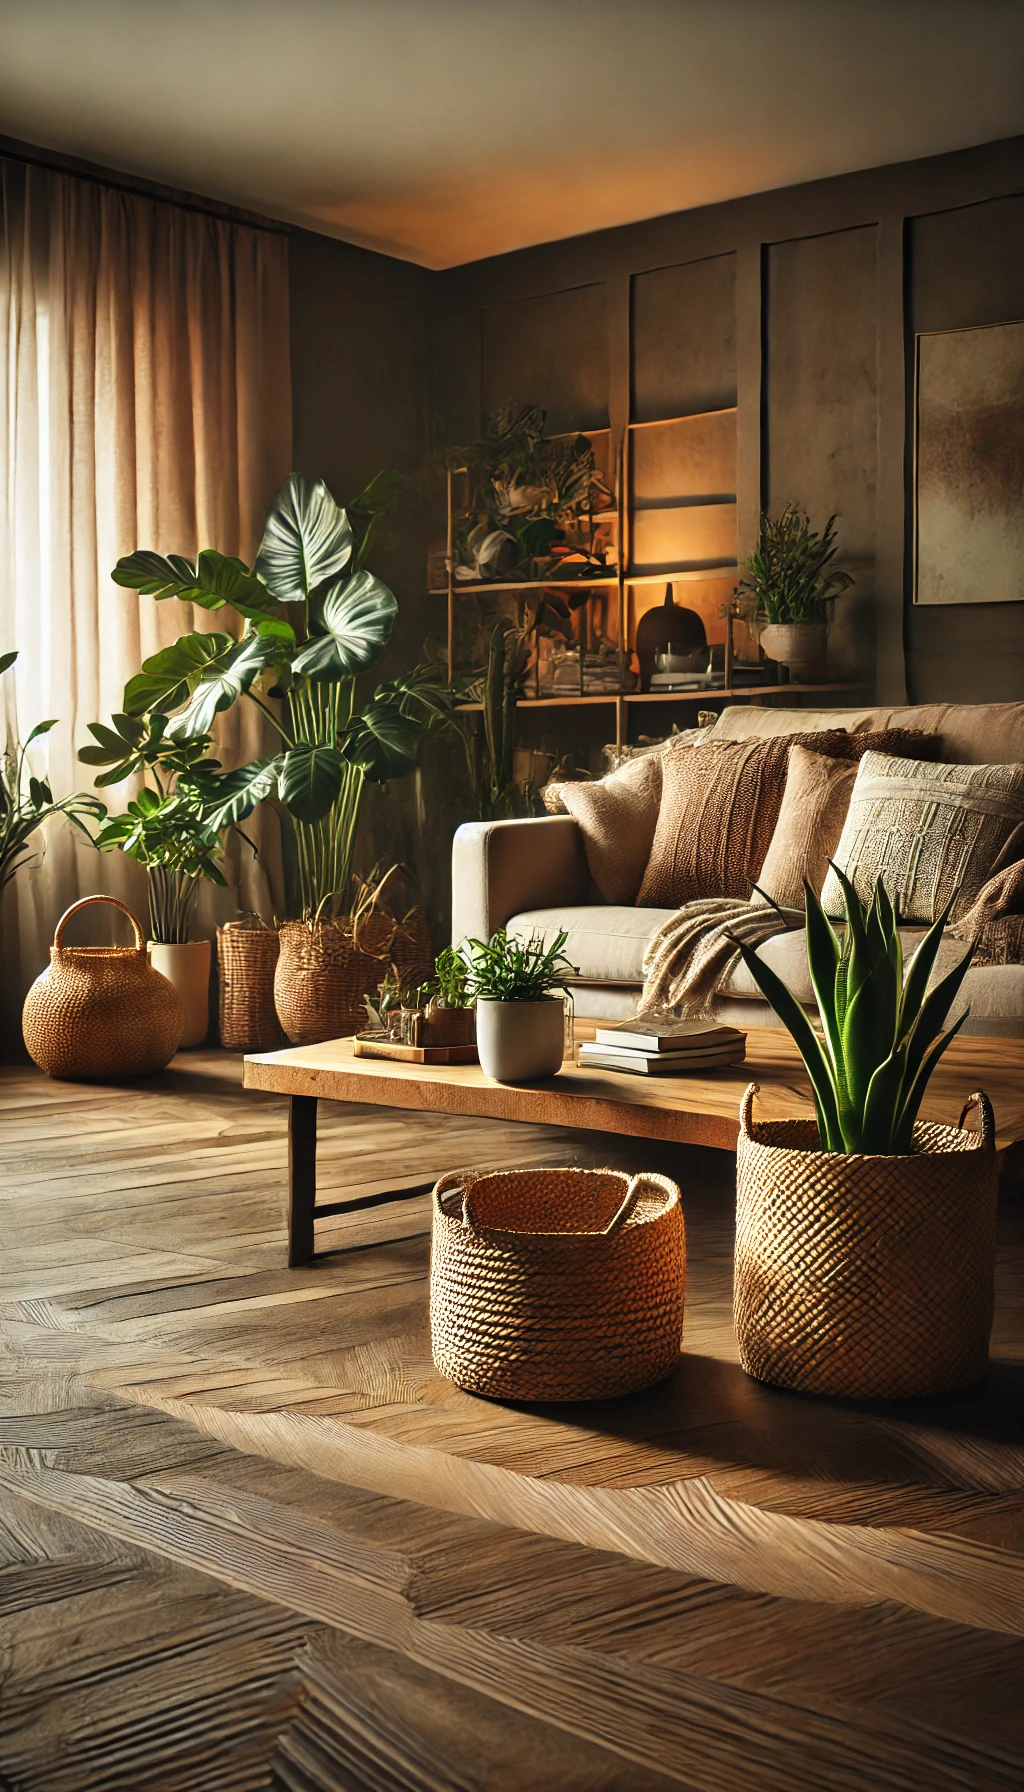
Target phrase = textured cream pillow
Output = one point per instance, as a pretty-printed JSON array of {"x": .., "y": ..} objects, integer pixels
[
  {"x": 617, "y": 817},
  {"x": 807, "y": 833},
  {"x": 932, "y": 832}
]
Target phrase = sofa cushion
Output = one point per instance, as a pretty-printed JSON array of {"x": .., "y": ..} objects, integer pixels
[
  {"x": 814, "y": 805},
  {"x": 607, "y": 943},
  {"x": 617, "y": 817},
  {"x": 750, "y": 721},
  {"x": 969, "y": 733},
  {"x": 931, "y": 832}
]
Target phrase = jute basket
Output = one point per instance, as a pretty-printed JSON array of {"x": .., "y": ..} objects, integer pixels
[
  {"x": 870, "y": 1277},
  {"x": 246, "y": 961},
  {"x": 556, "y": 1284},
  {"x": 100, "y": 1013},
  {"x": 325, "y": 970}
]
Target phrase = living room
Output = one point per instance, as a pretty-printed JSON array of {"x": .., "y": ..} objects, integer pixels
[{"x": 512, "y": 576}]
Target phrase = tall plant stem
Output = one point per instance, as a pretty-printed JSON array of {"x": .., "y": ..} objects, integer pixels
[
  {"x": 172, "y": 896},
  {"x": 319, "y": 714}
]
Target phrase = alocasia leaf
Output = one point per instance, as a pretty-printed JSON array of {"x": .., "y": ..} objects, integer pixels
[
  {"x": 307, "y": 540},
  {"x": 350, "y": 625}
]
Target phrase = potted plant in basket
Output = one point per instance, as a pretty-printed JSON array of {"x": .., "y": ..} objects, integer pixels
[
  {"x": 312, "y": 618},
  {"x": 865, "y": 1241},
  {"x": 789, "y": 590},
  {"x": 167, "y": 830},
  {"x": 518, "y": 986}
]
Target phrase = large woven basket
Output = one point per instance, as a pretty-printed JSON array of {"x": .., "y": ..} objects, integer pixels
[
  {"x": 246, "y": 961},
  {"x": 870, "y": 1277},
  {"x": 556, "y": 1284},
  {"x": 325, "y": 970}
]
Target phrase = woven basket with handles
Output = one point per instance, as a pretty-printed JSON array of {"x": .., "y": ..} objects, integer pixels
[
  {"x": 101, "y": 1012},
  {"x": 870, "y": 1277},
  {"x": 325, "y": 970},
  {"x": 246, "y": 961},
  {"x": 558, "y": 1284}
]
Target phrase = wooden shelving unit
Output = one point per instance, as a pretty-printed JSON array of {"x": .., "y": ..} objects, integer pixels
[{"x": 622, "y": 700}]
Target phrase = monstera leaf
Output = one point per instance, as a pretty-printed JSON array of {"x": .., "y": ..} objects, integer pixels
[
  {"x": 307, "y": 540},
  {"x": 223, "y": 681},
  {"x": 309, "y": 780},
  {"x": 168, "y": 676},
  {"x": 239, "y": 792},
  {"x": 383, "y": 741},
  {"x": 215, "y": 580},
  {"x": 350, "y": 624}
]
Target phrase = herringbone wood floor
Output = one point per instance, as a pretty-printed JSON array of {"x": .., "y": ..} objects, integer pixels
[{"x": 249, "y": 1538}]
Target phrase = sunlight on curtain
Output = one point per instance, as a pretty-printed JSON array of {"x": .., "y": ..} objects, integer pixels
[{"x": 145, "y": 401}]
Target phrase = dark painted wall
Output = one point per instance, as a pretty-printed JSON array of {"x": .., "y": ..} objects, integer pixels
[{"x": 804, "y": 301}]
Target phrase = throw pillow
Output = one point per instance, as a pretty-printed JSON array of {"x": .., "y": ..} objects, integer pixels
[
  {"x": 720, "y": 803},
  {"x": 617, "y": 817},
  {"x": 932, "y": 832},
  {"x": 810, "y": 824}
]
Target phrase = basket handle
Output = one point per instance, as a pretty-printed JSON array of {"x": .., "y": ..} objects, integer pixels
[
  {"x": 454, "y": 1182},
  {"x": 87, "y": 902},
  {"x": 629, "y": 1201},
  {"x": 747, "y": 1107},
  {"x": 987, "y": 1128}
]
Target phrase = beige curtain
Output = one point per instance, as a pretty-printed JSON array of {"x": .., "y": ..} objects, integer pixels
[{"x": 145, "y": 401}]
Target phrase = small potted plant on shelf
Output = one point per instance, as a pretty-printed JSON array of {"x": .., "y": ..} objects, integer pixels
[
  {"x": 518, "y": 987},
  {"x": 169, "y": 832},
  {"x": 865, "y": 1241},
  {"x": 789, "y": 589}
]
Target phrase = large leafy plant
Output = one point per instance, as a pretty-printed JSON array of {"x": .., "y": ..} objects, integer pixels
[
  {"x": 882, "y": 1035},
  {"x": 312, "y": 619},
  {"x": 790, "y": 576},
  {"x": 26, "y": 802}
]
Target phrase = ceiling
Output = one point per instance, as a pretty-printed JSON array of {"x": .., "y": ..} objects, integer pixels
[{"x": 446, "y": 130}]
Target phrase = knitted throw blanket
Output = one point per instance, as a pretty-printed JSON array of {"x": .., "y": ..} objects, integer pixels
[
  {"x": 692, "y": 955},
  {"x": 994, "y": 925}
]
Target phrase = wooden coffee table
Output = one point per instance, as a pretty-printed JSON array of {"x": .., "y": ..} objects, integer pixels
[{"x": 698, "y": 1109}]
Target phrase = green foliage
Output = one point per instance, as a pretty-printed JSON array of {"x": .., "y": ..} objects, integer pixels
[
  {"x": 172, "y": 837},
  {"x": 506, "y": 968},
  {"x": 450, "y": 981},
  {"x": 530, "y": 489},
  {"x": 26, "y": 802},
  {"x": 316, "y": 620},
  {"x": 788, "y": 574},
  {"x": 881, "y": 1036}
]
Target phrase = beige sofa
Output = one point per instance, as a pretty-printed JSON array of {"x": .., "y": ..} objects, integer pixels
[{"x": 532, "y": 875}]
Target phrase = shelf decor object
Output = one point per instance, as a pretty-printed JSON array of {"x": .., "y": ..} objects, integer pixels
[
  {"x": 556, "y": 1284},
  {"x": 100, "y": 1013}
]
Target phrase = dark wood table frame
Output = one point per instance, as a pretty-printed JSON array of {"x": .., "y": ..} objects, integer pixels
[{"x": 303, "y": 1211}]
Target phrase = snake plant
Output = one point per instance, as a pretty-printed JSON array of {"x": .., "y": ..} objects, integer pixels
[{"x": 882, "y": 1035}]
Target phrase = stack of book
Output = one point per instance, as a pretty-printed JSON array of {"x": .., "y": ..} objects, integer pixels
[{"x": 663, "y": 1047}]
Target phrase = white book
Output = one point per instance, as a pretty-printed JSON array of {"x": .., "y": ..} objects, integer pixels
[
  {"x": 667, "y": 1035},
  {"x": 657, "y": 1063}
]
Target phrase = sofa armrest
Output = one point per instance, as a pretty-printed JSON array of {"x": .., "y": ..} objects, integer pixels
[{"x": 502, "y": 867}]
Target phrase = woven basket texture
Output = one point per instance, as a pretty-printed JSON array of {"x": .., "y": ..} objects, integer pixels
[
  {"x": 246, "y": 961},
  {"x": 556, "y": 1284},
  {"x": 869, "y": 1277},
  {"x": 324, "y": 971},
  {"x": 100, "y": 1013}
]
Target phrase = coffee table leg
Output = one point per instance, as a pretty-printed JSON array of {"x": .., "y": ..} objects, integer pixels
[{"x": 301, "y": 1178}]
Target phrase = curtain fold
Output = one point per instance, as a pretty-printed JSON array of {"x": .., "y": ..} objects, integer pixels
[{"x": 145, "y": 401}]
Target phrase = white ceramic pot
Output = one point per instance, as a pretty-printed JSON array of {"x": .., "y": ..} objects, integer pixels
[
  {"x": 187, "y": 968},
  {"x": 798, "y": 645},
  {"x": 520, "y": 1042}
]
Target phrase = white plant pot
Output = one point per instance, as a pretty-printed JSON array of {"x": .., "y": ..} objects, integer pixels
[
  {"x": 798, "y": 645},
  {"x": 520, "y": 1042},
  {"x": 187, "y": 968}
]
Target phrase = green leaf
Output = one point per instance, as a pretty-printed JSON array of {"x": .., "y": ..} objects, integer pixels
[
  {"x": 310, "y": 779},
  {"x": 116, "y": 775},
  {"x": 922, "y": 965},
  {"x": 8, "y": 659},
  {"x": 215, "y": 580},
  {"x": 350, "y": 624},
  {"x": 223, "y": 682},
  {"x": 383, "y": 741},
  {"x": 903, "y": 1139},
  {"x": 307, "y": 540},
  {"x": 40, "y": 728},
  {"x": 111, "y": 746},
  {"x": 168, "y": 676},
  {"x": 240, "y": 791},
  {"x": 131, "y": 729},
  {"x": 363, "y": 511},
  {"x": 806, "y": 1039}
]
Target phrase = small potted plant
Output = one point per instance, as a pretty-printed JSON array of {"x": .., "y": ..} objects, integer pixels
[
  {"x": 865, "y": 1241},
  {"x": 518, "y": 986},
  {"x": 26, "y": 802},
  {"x": 789, "y": 590},
  {"x": 449, "y": 1018}
]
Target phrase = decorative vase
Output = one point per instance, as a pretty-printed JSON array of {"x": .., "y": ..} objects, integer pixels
[
  {"x": 99, "y": 1013},
  {"x": 798, "y": 645},
  {"x": 865, "y": 1276},
  {"x": 668, "y": 629},
  {"x": 187, "y": 969},
  {"x": 520, "y": 1042},
  {"x": 246, "y": 961}
]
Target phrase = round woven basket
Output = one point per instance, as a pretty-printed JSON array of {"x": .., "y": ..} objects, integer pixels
[
  {"x": 556, "y": 1284},
  {"x": 326, "y": 969},
  {"x": 870, "y": 1277},
  {"x": 100, "y": 1013},
  {"x": 246, "y": 962}
]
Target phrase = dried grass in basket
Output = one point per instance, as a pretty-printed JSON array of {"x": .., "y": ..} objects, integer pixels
[
  {"x": 246, "y": 962},
  {"x": 870, "y": 1277},
  {"x": 556, "y": 1284}
]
